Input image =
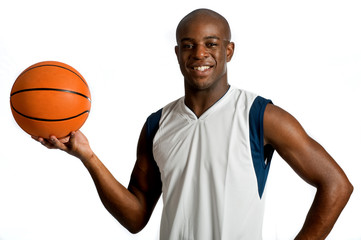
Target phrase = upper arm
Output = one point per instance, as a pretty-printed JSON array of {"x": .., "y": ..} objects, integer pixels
[
  {"x": 308, "y": 158},
  {"x": 145, "y": 182}
]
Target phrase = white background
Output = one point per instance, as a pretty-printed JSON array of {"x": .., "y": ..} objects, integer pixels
[{"x": 304, "y": 55}]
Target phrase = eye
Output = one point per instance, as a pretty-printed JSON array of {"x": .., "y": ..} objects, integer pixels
[
  {"x": 187, "y": 46},
  {"x": 211, "y": 44}
]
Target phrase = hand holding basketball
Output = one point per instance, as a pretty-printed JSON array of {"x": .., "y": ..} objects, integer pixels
[{"x": 75, "y": 144}]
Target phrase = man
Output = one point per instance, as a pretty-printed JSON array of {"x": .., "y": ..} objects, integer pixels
[{"x": 209, "y": 152}]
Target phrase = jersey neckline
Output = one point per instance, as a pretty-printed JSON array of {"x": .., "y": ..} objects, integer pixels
[{"x": 193, "y": 117}]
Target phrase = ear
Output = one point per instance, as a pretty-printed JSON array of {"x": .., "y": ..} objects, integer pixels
[
  {"x": 176, "y": 49},
  {"x": 230, "y": 51}
]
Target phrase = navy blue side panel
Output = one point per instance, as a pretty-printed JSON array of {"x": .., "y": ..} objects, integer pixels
[
  {"x": 261, "y": 155},
  {"x": 152, "y": 124}
]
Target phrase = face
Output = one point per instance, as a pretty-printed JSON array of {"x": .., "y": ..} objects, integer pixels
[{"x": 203, "y": 51}]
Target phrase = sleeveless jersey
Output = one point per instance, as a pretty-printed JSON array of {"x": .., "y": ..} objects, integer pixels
[{"x": 213, "y": 168}]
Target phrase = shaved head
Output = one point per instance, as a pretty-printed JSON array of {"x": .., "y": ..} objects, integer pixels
[
  {"x": 205, "y": 15},
  {"x": 203, "y": 50}
]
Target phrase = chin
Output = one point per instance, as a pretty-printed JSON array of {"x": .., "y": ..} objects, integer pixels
[{"x": 199, "y": 85}]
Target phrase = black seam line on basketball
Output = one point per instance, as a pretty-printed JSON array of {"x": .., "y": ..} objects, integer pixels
[
  {"x": 50, "y": 89},
  {"x": 53, "y": 65},
  {"x": 48, "y": 120}
]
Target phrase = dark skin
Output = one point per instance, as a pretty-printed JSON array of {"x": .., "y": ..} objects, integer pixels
[
  {"x": 204, "y": 45},
  {"x": 203, "y": 50},
  {"x": 312, "y": 163}
]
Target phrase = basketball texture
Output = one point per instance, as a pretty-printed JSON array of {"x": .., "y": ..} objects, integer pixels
[{"x": 50, "y": 98}]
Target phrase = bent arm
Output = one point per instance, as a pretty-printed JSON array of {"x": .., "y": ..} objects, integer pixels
[
  {"x": 117, "y": 199},
  {"x": 312, "y": 163},
  {"x": 131, "y": 206}
]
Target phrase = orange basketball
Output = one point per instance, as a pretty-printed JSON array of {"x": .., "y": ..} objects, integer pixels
[{"x": 50, "y": 98}]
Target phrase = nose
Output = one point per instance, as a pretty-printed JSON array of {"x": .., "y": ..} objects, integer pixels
[{"x": 200, "y": 52}]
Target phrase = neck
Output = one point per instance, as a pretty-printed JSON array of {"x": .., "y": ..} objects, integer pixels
[{"x": 200, "y": 101}]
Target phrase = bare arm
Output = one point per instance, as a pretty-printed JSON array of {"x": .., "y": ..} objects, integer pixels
[
  {"x": 131, "y": 206},
  {"x": 312, "y": 163}
]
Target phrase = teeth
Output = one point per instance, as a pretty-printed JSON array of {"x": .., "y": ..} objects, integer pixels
[{"x": 201, "y": 68}]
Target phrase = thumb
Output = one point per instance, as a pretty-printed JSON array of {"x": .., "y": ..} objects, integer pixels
[
  {"x": 78, "y": 145},
  {"x": 56, "y": 143},
  {"x": 72, "y": 143},
  {"x": 72, "y": 138}
]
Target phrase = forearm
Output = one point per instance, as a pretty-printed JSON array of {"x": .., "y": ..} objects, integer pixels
[
  {"x": 117, "y": 199},
  {"x": 126, "y": 206},
  {"x": 325, "y": 210},
  {"x": 313, "y": 164}
]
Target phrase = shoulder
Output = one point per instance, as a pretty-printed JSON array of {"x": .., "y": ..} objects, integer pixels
[
  {"x": 165, "y": 108},
  {"x": 248, "y": 97},
  {"x": 153, "y": 120},
  {"x": 152, "y": 123},
  {"x": 281, "y": 128}
]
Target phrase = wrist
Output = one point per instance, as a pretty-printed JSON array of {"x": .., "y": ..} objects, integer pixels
[{"x": 88, "y": 158}]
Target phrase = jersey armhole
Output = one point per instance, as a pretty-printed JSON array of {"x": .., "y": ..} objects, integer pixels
[
  {"x": 152, "y": 126},
  {"x": 261, "y": 154}
]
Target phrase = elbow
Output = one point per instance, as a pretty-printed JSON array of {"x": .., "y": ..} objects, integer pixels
[
  {"x": 345, "y": 193},
  {"x": 132, "y": 220},
  {"x": 336, "y": 189},
  {"x": 343, "y": 189},
  {"x": 348, "y": 189},
  {"x": 135, "y": 224},
  {"x": 134, "y": 229}
]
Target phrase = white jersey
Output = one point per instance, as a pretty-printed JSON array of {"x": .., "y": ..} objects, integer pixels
[{"x": 213, "y": 168}]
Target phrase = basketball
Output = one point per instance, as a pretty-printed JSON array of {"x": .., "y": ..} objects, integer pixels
[{"x": 50, "y": 98}]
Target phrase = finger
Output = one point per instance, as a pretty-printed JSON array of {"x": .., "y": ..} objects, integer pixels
[
  {"x": 72, "y": 137},
  {"x": 46, "y": 143},
  {"x": 56, "y": 143},
  {"x": 35, "y": 138},
  {"x": 42, "y": 140},
  {"x": 64, "y": 139},
  {"x": 38, "y": 139}
]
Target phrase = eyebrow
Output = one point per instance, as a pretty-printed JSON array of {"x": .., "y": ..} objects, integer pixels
[{"x": 206, "y": 38}]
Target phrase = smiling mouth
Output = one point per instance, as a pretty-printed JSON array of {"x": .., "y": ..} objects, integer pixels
[{"x": 201, "y": 68}]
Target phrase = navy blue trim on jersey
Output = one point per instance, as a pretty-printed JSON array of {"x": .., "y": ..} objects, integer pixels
[
  {"x": 261, "y": 155},
  {"x": 152, "y": 125}
]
